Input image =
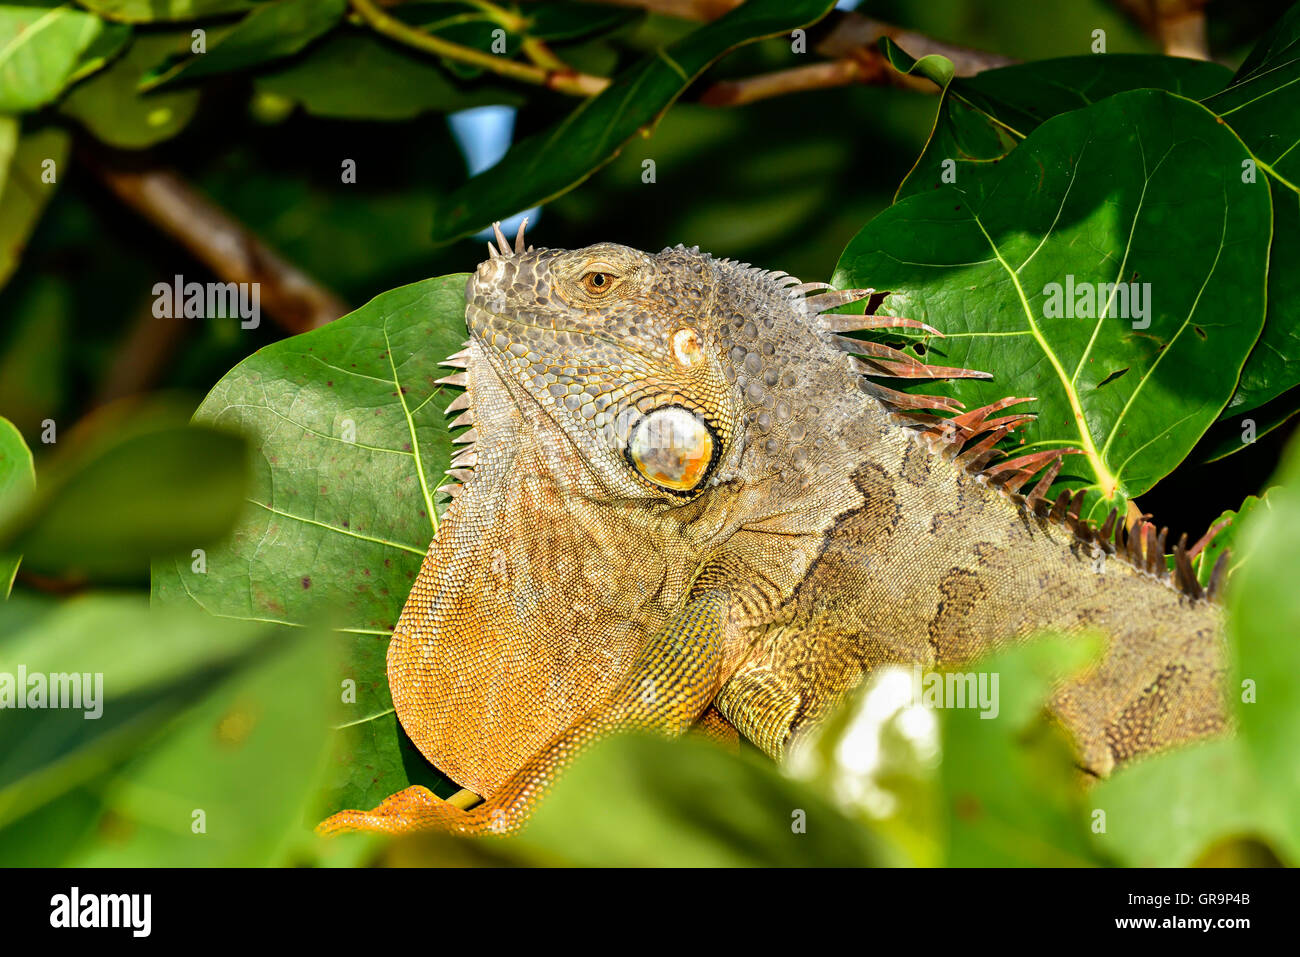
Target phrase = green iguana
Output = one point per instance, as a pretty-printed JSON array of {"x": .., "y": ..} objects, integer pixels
[{"x": 685, "y": 499}]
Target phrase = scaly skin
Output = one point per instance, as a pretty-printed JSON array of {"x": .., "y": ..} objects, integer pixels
[{"x": 609, "y": 565}]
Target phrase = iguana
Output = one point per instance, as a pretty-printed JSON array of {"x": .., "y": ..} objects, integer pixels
[{"x": 686, "y": 499}]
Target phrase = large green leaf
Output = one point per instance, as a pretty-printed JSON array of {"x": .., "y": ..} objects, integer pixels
[
  {"x": 17, "y": 480},
  {"x": 1264, "y": 620},
  {"x": 356, "y": 75},
  {"x": 277, "y": 29},
  {"x": 1008, "y": 779},
  {"x": 111, "y": 106},
  {"x": 1168, "y": 809},
  {"x": 186, "y": 713},
  {"x": 1262, "y": 104},
  {"x": 983, "y": 117},
  {"x": 1142, "y": 187},
  {"x": 161, "y": 11},
  {"x": 40, "y": 51},
  {"x": 35, "y": 165},
  {"x": 554, "y": 161},
  {"x": 352, "y": 441}
]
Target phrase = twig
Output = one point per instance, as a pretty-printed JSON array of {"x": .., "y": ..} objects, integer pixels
[
  {"x": 290, "y": 297},
  {"x": 854, "y": 32},
  {"x": 566, "y": 80},
  {"x": 869, "y": 68}
]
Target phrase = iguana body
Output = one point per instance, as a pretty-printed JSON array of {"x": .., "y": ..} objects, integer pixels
[{"x": 683, "y": 491}]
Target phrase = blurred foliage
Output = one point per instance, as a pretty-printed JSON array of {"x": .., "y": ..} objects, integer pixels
[{"x": 253, "y": 690}]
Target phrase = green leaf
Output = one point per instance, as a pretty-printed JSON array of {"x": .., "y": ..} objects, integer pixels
[
  {"x": 352, "y": 441},
  {"x": 113, "y": 109},
  {"x": 105, "y": 510},
  {"x": 1234, "y": 432},
  {"x": 559, "y": 21},
  {"x": 1009, "y": 783},
  {"x": 982, "y": 118},
  {"x": 40, "y": 51},
  {"x": 277, "y": 29},
  {"x": 554, "y": 161},
  {"x": 876, "y": 756},
  {"x": 1167, "y": 809},
  {"x": 356, "y": 75},
  {"x": 1142, "y": 187},
  {"x": 1262, "y": 103},
  {"x": 1274, "y": 364},
  {"x": 190, "y": 714},
  {"x": 164, "y": 11},
  {"x": 1229, "y": 538},
  {"x": 37, "y": 164},
  {"x": 1264, "y": 619},
  {"x": 17, "y": 481},
  {"x": 643, "y": 802}
]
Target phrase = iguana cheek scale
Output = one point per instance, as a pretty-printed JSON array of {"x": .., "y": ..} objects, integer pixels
[{"x": 684, "y": 494}]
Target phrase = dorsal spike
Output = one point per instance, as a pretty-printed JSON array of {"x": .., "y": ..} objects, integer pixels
[
  {"x": 1039, "y": 492},
  {"x": 1220, "y": 571},
  {"x": 519, "y": 236},
  {"x": 836, "y": 298}
]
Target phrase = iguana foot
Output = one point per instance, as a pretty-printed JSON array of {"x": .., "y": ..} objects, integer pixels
[{"x": 412, "y": 809}]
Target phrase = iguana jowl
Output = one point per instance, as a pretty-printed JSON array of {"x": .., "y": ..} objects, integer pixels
[{"x": 685, "y": 491}]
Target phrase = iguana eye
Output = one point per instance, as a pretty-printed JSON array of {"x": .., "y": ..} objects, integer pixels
[
  {"x": 672, "y": 447},
  {"x": 597, "y": 284}
]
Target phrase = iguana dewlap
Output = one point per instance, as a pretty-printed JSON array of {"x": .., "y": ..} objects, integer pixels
[{"x": 685, "y": 488}]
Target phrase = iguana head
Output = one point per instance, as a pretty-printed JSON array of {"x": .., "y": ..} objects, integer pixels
[
  {"x": 622, "y": 350},
  {"x": 668, "y": 373}
]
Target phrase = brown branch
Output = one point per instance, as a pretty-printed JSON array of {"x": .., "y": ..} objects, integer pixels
[
  {"x": 1177, "y": 25},
  {"x": 293, "y": 299},
  {"x": 854, "y": 33},
  {"x": 868, "y": 69}
]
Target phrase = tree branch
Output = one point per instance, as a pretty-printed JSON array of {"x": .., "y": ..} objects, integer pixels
[
  {"x": 293, "y": 299},
  {"x": 566, "y": 80}
]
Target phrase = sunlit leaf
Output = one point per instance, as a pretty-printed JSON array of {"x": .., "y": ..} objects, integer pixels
[
  {"x": 1091, "y": 197},
  {"x": 352, "y": 442},
  {"x": 41, "y": 50},
  {"x": 112, "y": 108}
]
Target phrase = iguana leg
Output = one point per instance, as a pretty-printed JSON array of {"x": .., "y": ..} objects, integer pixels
[
  {"x": 714, "y": 727},
  {"x": 668, "y": 687}
]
